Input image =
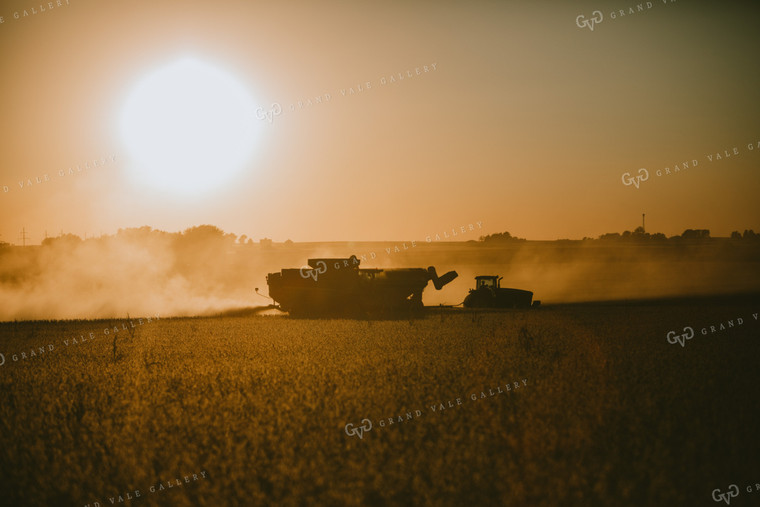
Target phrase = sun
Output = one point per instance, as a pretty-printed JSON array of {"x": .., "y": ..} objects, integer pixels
[{"x": 188, "y": 128}]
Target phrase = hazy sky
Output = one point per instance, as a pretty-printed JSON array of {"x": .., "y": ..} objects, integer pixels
[{"x": 526, "y": 122}]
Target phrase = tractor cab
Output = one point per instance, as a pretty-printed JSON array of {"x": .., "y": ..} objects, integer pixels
[{"x": 487, "y": 282}]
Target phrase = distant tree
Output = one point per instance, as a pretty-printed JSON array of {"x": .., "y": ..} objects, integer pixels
[
  {"x": 750, "y": 234},
  {"x": 736, "y": 235},
  {"x": 206, "y": 235},
  {"x": 138, "y": 233},
  {"x": 696, "y": 234},
  {"x": 288, "y": 242},
  {"x": 242, "y": 239},
  {"x": 610, "y": 236},
  {"x": 203, "y": 232},
  {"x": 230, "y": 238},
  {"x": 500, "y": 237},
  {"x": 196, "y": 245},
  {"x": 145, "y": 229},
  {"x": 63, "y": 239}
]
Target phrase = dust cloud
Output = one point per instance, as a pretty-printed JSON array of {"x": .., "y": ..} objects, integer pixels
[
  {"x": 590, "y": 270},
  {"x": 204, "y": 271},
  {"x": 138, "y": 272}
]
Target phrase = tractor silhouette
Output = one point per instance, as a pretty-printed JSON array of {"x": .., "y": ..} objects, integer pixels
[{"x": 488, "y": 294}]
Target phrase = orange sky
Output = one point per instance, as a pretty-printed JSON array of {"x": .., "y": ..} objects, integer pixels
[{"x": 527, "y": 123}]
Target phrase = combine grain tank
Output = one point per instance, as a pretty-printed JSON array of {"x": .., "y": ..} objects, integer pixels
[
  {"x": 340, "y": 287},
  {"x": 488, "y": 294}
]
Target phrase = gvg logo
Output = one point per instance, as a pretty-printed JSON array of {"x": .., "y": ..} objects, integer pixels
[
  {"x": 274, "y": 110},
  {"x": 307, "y": 272},
  {"x": 596, "y": 18},
  {"x": 688, "y": 332},
  {"x": 674, "y": 338},
  {"x": 629, "y": 180},
  {"x": 733, "y": 492},
  {"x": 351, "y": 430}
]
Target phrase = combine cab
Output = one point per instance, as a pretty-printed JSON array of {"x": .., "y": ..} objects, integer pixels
[
  {"x": 338, "y": 287},
  {"x": 488, "y": 294}
]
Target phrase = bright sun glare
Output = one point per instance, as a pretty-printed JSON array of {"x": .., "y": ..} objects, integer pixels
[{"x": 188, "y": 127}]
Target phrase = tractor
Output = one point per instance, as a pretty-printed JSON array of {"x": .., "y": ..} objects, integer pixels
[{"x": 488, "y": 294}]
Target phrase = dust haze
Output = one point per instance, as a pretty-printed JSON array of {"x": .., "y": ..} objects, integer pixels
[{"x": 204, "y": 270}]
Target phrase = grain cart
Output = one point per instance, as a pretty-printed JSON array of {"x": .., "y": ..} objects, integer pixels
[{"x": 339, "y": 287}]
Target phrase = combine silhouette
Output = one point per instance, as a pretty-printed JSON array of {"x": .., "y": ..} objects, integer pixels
[{"x": 338, "y": 287}]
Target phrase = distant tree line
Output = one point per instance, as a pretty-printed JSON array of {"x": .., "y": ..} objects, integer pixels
[
  {"x": 748, "y": 234},
  {"x": 638, "y": 234},
  {"x": 688, "y": 234},
  {"x": 201, "y": 234},
  {"x": 205, "y": 234}
]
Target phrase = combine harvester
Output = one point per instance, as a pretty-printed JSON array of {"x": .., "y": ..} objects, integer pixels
[{"x": 338, "y": 287}]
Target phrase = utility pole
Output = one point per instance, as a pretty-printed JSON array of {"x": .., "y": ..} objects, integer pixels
[
  {"x": 22, "y": 236},
  {"x": 643, "y": 222}
]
